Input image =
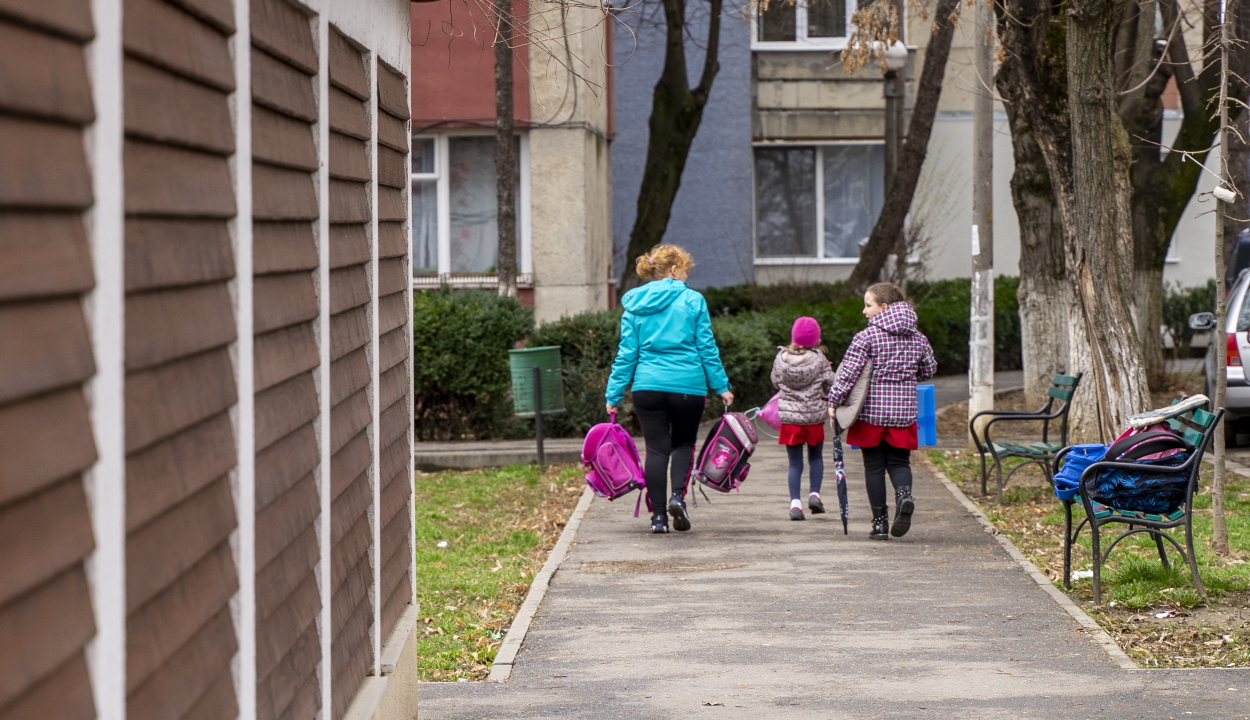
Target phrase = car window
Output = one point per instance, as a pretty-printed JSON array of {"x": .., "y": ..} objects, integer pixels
[{"x": 1243, "y": 315}]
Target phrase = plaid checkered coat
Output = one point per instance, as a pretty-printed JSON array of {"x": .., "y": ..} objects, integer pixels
[{"x": 901, "y": 357}]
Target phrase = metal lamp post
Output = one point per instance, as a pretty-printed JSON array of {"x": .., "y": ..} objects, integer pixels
[{"x": 895, "y": 62}]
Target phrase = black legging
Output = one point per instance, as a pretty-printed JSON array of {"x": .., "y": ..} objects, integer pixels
[
  {"x": 879, "y": 459},
  {"x": 670, "y": 426}
]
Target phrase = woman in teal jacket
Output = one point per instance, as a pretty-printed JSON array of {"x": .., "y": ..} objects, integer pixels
[{"x": 668, "y": 351}]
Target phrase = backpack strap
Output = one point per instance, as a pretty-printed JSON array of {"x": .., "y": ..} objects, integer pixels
[{"x": 1135, "y": 447}]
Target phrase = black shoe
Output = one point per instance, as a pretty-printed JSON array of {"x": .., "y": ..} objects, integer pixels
[
  {"x": 815, "y": 505},
  {"x": 659, "y": 523},
  {"x": 905, "y": 505},
  {"x": 880, "y": 525},
  {"x": 677, "y": 508},
  {"x": 796, "y": 514}
]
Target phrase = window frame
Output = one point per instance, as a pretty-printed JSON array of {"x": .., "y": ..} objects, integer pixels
[
  {"x": 801, "y": 41},
  {"x": 819, "y": 258},
  {"x": 442, "y": 180}
]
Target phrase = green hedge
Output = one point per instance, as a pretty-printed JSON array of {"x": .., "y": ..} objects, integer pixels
[
  {"x": 749, "y": 322},
  {"x": 460, "y": 343},
  {"x": 1178, "y": 304}
]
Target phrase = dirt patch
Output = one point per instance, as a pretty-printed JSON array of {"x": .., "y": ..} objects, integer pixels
[
  {"x": 644, "y": 567},
  {"x": 1196, "y": 637}
]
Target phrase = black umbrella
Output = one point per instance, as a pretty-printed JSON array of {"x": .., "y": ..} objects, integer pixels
[{"x": 839, "y": 471}]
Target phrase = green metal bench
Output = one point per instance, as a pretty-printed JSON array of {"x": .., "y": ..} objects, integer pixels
[
  {"x": 1040, "y": 453},
  {"x": 1196, "y": 427}
]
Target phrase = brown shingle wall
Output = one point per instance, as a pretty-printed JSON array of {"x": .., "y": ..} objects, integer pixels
[
  {"x": 46, "y": 440},
  {"x": 394, "y": 348},
  {"x": 285, "y": 259},
  {"x": 180, "y": 383},
  {"x": 351, "y": 293}
]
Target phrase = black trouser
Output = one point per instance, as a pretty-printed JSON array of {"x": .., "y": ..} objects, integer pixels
[
  {"x": 670, "y": 426},
  {"x": 879, "y": 459}
]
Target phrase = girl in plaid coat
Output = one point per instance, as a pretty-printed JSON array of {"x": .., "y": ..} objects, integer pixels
[{"x": 886, "y": 426}]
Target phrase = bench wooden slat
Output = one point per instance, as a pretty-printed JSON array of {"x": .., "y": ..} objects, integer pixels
[
  {"x": 1202, "y": 417},
  {"x": 1063, "y": 380},
  {"x": 1193, "y": 437},
  {"x": 1060, "y": 393}
]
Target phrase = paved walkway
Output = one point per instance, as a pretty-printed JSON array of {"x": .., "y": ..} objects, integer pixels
[{"x": 763, "y": 617}]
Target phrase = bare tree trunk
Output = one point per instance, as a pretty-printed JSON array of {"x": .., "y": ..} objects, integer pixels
[
  {"x": 1033, "y": 83},
  {"x": 887, "y": 234},
  {"x": 1045, "y": 292},
  {"x": 1237, "y": 212},
  {"x": 1219, "y": 530},
  {"x": 505, "y": 151},
  {"x": 1102, "y": 338},
  {"x": 1148, "y": 309},
  {"x": 676, "y": 111}
]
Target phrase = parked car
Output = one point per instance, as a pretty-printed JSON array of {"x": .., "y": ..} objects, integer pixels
[{"x": 1237, "y": 344}]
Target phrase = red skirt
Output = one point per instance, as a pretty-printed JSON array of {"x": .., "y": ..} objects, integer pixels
[
  {"x": 800, "y": 434},
  {"x": 864, "y": 434}
]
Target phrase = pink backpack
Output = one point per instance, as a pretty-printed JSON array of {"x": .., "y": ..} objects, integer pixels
[
  {"x": 612, "y": 458},
  {"x": 770, "y": 413},
  {"x": 723, "y": 462}
]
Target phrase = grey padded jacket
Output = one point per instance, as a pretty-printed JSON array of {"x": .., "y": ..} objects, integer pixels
[{"x": 803, "y": 378}]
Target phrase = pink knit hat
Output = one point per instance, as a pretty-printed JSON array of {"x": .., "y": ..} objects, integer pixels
[{"x": 806, "y": 332}]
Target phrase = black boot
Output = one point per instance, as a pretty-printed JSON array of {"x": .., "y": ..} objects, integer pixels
[
  {"x": 659, "y": 523},
  {"x": 677, "y": 508},
  {"x": 880, "y": 524},
  {"x": 904, "y": 506}
]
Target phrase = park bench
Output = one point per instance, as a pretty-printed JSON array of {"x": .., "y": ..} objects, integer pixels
[
  {"x": 1196, "y": 428},
  {"x": 1041, "y": 452}
]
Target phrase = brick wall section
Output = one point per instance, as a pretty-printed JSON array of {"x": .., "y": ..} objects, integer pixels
[
  {"x": 45, "y": 433},
  {"x": 285, "y": 262},
  {"x": 180, "y": 382},
  {"x": 394, "y": 348},
  {"x": 351, "y": 372}
]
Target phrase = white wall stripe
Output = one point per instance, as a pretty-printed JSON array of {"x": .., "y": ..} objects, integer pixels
[
  {"x": 105, "y": 309},
  {"x": 323, "y": 321},
  {"x": 371, "y": 70},
  {"x": 245, "y": 498}
]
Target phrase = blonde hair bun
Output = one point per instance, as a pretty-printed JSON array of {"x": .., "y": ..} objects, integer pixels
[{"x": 661, "y": 260}]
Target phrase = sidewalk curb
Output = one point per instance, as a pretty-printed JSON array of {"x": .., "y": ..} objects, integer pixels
[
  {"x": 1095, "y": 630},
  {"x": 501, "y": 668}
]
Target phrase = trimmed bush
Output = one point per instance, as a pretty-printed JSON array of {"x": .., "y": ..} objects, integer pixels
[
  {"x": 587, "y": 348},
  {"x": 1178, "y": 304},
  {"x": 460, "y": 349}
]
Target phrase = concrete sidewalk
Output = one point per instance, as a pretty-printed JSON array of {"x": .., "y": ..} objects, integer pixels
[{"x": 751, "y": 615}]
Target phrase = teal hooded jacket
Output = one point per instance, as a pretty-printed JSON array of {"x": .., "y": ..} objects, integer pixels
[{"x": 666, "y": 343}]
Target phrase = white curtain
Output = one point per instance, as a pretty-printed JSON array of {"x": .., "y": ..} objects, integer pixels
[{"x": 854, "y": 189}]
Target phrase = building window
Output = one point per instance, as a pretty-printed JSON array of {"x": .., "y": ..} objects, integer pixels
[
  {"x": 816, "y": 202},
  {"x": 787, "y": 24},
  {"x": 454, "y": 229}
]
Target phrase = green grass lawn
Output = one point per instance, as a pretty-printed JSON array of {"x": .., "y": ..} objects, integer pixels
[
  {"x": 1211, "y": 631},
  {"x": 480, "y": 537}
]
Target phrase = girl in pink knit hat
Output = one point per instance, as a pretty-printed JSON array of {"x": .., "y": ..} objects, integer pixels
[{"x": 803, "y": 375}]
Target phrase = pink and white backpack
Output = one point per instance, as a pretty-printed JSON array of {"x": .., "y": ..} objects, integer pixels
[
  {"x": 723, "y": 462},
  {"x": 611, "y": 457}
]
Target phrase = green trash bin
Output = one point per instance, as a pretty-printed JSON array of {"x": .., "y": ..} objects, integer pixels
[{"x": 522, "y": 363}]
